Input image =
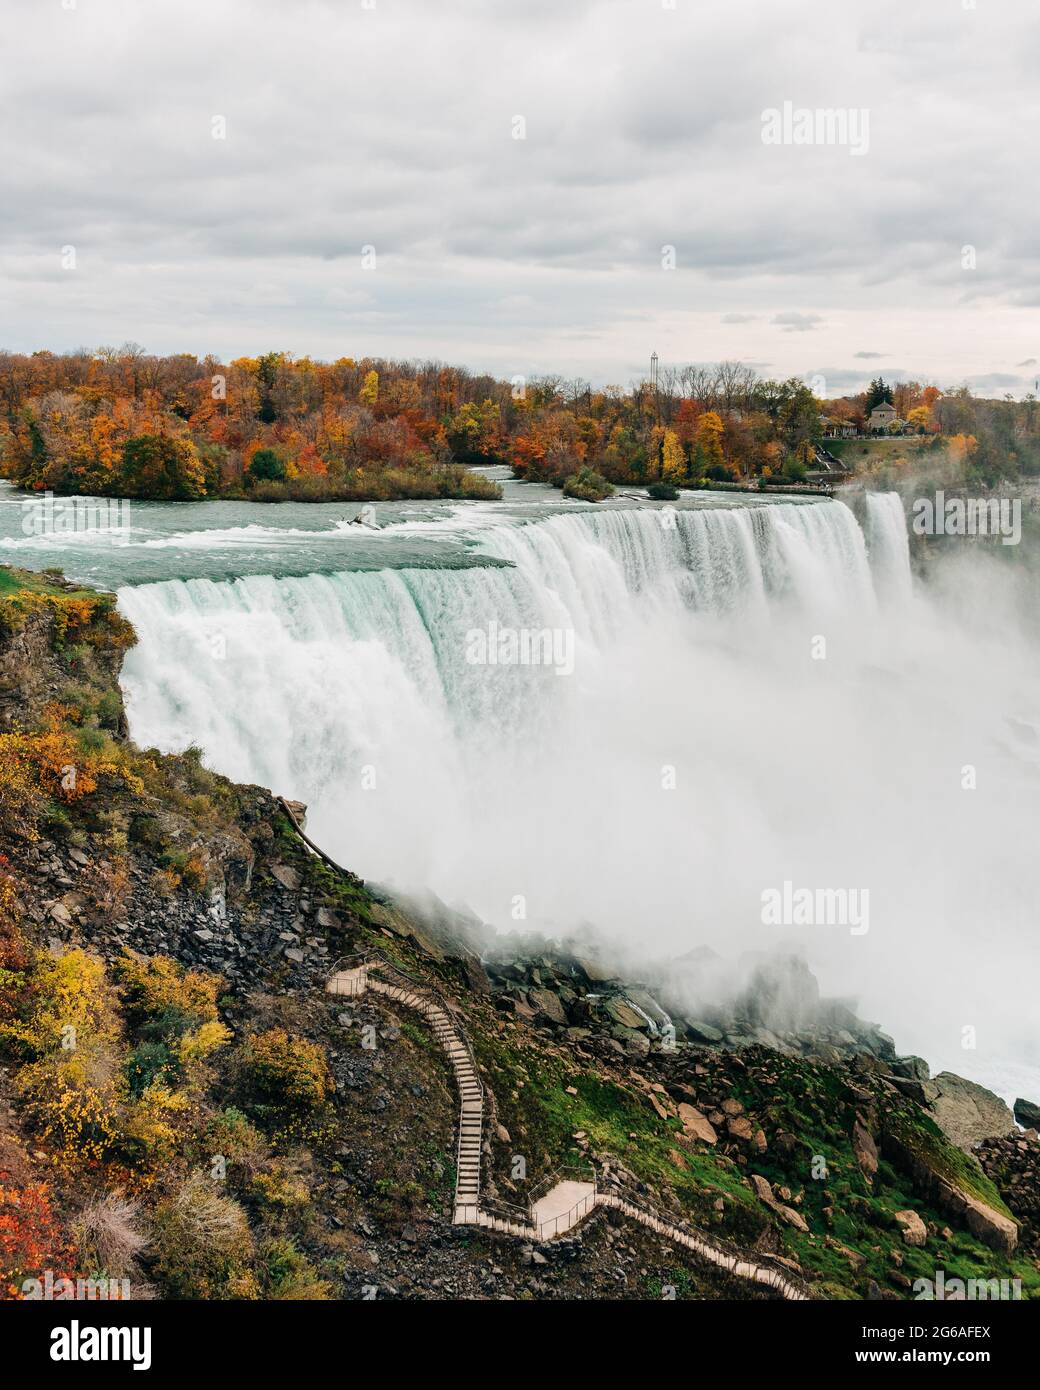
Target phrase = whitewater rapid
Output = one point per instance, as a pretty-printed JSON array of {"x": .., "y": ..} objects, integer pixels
[{"x": 757, "y": 694}]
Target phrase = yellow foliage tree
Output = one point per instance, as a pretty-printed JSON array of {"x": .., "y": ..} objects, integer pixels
[
  {"x": 709, "y": 438},
  {"x": 369, "y": 393},
  {"x": 673, "y": 458}
]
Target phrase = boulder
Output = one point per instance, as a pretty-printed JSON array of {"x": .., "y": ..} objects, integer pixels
[
  {"x": 765, "y": 1194},
  {"x": 913, "y": 1068},
  {"x": 661, "y": 1111},
  {"x": 1027, "y": 1114},
  {"x": 924, "y": 1092},
  {"x": 915, "y": 1232},
  {"x": 989, "y": 1226},
  {"x": 546, "y": 1003},
  {"x": 647, "y": 1004},
  {"x": 476, "y": 975},
  {"x": 782, "y": 995},
  {"x": 623, "y": 1013},
  {"x": 594, "y": 971},
  {"x": 936, "y": 1180},
  {"x": 700, "y": 1031},
  {"x": 967, "y": 1113},
  {"x": 864, "y": 1148},
  {"x": 696, "y": 1124},
  {"x": 287, "y": 876}
]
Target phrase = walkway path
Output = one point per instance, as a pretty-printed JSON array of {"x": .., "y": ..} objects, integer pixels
[{"x": 570, "y": 1200}]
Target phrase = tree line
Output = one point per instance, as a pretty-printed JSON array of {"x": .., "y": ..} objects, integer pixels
[{"x": 128, "y": 423}]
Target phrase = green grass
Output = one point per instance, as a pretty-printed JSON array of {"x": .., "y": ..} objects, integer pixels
[
  {"x": 859, "y": 453},
  {"x": 809, "y": 1100},
  {"x": 542, "y": 1117},
  {"x": 47, "y": 582}
]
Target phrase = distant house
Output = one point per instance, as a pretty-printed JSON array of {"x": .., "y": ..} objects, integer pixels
[
  {"x": 834, "y": 428},
  {"x": 883, "y": 417}
]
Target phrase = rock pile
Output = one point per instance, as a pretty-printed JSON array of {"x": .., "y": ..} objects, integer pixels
[{"x": 1013, "y": 1163}]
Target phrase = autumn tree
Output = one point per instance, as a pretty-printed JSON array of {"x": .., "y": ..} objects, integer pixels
[
  {"x": 369, "y": 393},
  {"x": 709, "y": 443},
  {"x": 162, "y": 467}
]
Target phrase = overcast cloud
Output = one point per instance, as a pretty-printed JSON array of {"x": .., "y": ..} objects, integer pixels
[{"x": 392, "y": 127}]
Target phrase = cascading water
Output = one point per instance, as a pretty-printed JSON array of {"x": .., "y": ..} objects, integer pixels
[
  {"x": 755, "y": 696},
  {"x": 305, "y": 683},
  {"x": 889, "y": 544}
]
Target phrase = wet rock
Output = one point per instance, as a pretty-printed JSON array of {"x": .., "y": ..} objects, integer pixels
[
  {"x": 595, "y": 971},
  {"x": 1027, "y": 1114},
  {"x": 546, "y": 1003},
  {"x": 700, "y": 1031},
  {"x": 476, "y": 975},
  {"x": 623, "y": 1013}
]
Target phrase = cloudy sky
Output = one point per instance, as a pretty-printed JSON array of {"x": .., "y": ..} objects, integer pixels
[{"x": 392, "y": 124}]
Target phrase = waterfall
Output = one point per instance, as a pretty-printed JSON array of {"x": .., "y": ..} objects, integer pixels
[
  {"x": 356, "y": 692},
  {"x": 292, "y": 681},
  {"x": 888, "y": 543}
]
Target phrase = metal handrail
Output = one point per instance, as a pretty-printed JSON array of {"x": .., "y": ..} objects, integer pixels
[
  {"x": 721, "y": 1247},
  {"x": 566, "y": 1219},
  {"x": 385, "y": 963},
  {"x": 495, "y": 1206},
  {"x": 585, "y": 1171}
]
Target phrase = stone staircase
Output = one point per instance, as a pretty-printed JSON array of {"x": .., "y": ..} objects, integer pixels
[{"x": 566, "y": 1203}]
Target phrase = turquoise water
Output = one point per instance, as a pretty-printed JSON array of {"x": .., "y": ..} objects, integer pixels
[{"x": 109, "y": 545}]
